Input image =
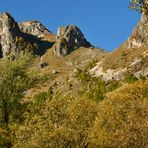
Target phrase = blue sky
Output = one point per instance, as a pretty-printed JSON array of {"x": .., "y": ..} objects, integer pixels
[{"x": 105, "y": 23}]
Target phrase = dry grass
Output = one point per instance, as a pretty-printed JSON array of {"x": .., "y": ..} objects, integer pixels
[{"x": 123, "y": 57}]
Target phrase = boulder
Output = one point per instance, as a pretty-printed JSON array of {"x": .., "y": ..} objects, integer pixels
[{"x": 68, "y": 39}]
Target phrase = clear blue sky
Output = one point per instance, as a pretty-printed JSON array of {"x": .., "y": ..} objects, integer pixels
[{"x": 105, "y": 23}]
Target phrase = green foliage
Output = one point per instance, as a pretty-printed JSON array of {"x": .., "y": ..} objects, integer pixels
[
  {"x": 83, "y": 75},
  {"x": 14, "y": 81},
  {"x": 122, "y": 118},
  {"x": 123, "y": 55},
  {"x": 39, "y": 100},
  {"x": 130, "y": 78},
  {"x": 45, "y": 127},
  {"x": 99, "y": 88}
]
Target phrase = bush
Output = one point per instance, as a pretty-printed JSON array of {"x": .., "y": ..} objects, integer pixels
[
  {"x": 82, "y": 75},
  {"x": 61, "y": 123},
  {"x": 99, "y": 88},
  {"x": 122, "y": 119},
  {"x": 130, "y": 78}
]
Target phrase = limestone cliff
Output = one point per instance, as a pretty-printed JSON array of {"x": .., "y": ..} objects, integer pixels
[{"x": 68, "y": 39}]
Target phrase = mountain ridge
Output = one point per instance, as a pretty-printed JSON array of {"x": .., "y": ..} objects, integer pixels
[{"x": 35, "y": 37}]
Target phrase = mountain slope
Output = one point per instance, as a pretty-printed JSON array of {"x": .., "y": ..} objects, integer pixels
[{"x": 130, "y": 57}]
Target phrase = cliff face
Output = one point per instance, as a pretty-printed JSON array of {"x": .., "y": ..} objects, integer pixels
[
  {"x": 9, "y": 30},
  {"x": 139, "y": 36},
  {"x": 69, "y": 38}
]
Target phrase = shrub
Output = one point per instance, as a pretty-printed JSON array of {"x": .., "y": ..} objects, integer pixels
[
  {"x": 122, "y": 119},
  {"x": 91, "y": 64},
  {"x": 82, "y": 75},
  {"x": 61, "y": 123},
  {"x": 130, "y": 78},
  {"x": 99, "y": 88}
]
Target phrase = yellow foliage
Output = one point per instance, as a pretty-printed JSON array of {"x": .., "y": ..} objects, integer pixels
[{"x": 122, "y": 119}]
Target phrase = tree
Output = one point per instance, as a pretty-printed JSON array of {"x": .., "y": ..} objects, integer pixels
[
  {"x": 139, "y": 5},
  {"x": 14, "y": 81}
]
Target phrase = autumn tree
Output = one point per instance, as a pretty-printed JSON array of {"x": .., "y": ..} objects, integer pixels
[
  {"x": 139, "y": 5},
  {"x": 14, "y": 81}
]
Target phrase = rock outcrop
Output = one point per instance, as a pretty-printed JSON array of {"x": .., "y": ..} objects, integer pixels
[
  {"x": 139, "y": 36},
  {"x": 34, "y": 28},
  {"x": 68, "y": 39},
  {"x": 15, "y": 41},
  {"x": 9, "y": 30}
]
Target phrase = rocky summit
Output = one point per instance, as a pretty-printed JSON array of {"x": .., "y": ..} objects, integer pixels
[
  {"x": 34, "y": 28},
  {"x": 68, "y": 39},
  {"x": 15, "y": 39}
]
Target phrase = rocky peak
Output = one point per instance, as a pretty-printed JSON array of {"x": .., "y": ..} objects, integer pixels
[
  {"x": 13, "y": 41},
  {"x": 34, "y": 28},
  {"x": 139, "y": 37},
  {"x": 9, "y": 29},
  {"x": 68, "y": 39}
]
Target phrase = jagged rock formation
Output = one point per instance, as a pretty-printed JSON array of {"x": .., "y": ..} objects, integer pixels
[
  {"x": 32, "y": 35},
  {"x": 9, "y": 30},
  {"x": 139, "y": 36},
  {"x": 68, "y": 39},
  {"x": 14, "y": 42},
  {"x": 34, "y": 28}
]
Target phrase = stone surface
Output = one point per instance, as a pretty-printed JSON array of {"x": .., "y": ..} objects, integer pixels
[
  {"x": 68, "y": 39},
  {"x": 34, "y": 28},
  {"x": 8, "y": 32},
  {"x": 139, "y": 36},
  {"x": 14, "y": 42}
]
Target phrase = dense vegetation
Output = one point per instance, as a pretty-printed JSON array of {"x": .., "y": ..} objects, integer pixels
[{"x": 104, "y": 114}]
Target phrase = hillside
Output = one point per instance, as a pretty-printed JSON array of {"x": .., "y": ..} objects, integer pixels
[
  {"x": 130, "y": 57},
  {"x": 60, "y": 91}
]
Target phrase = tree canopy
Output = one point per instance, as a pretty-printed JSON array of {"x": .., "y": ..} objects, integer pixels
[{"x": 139, "y": 5}]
